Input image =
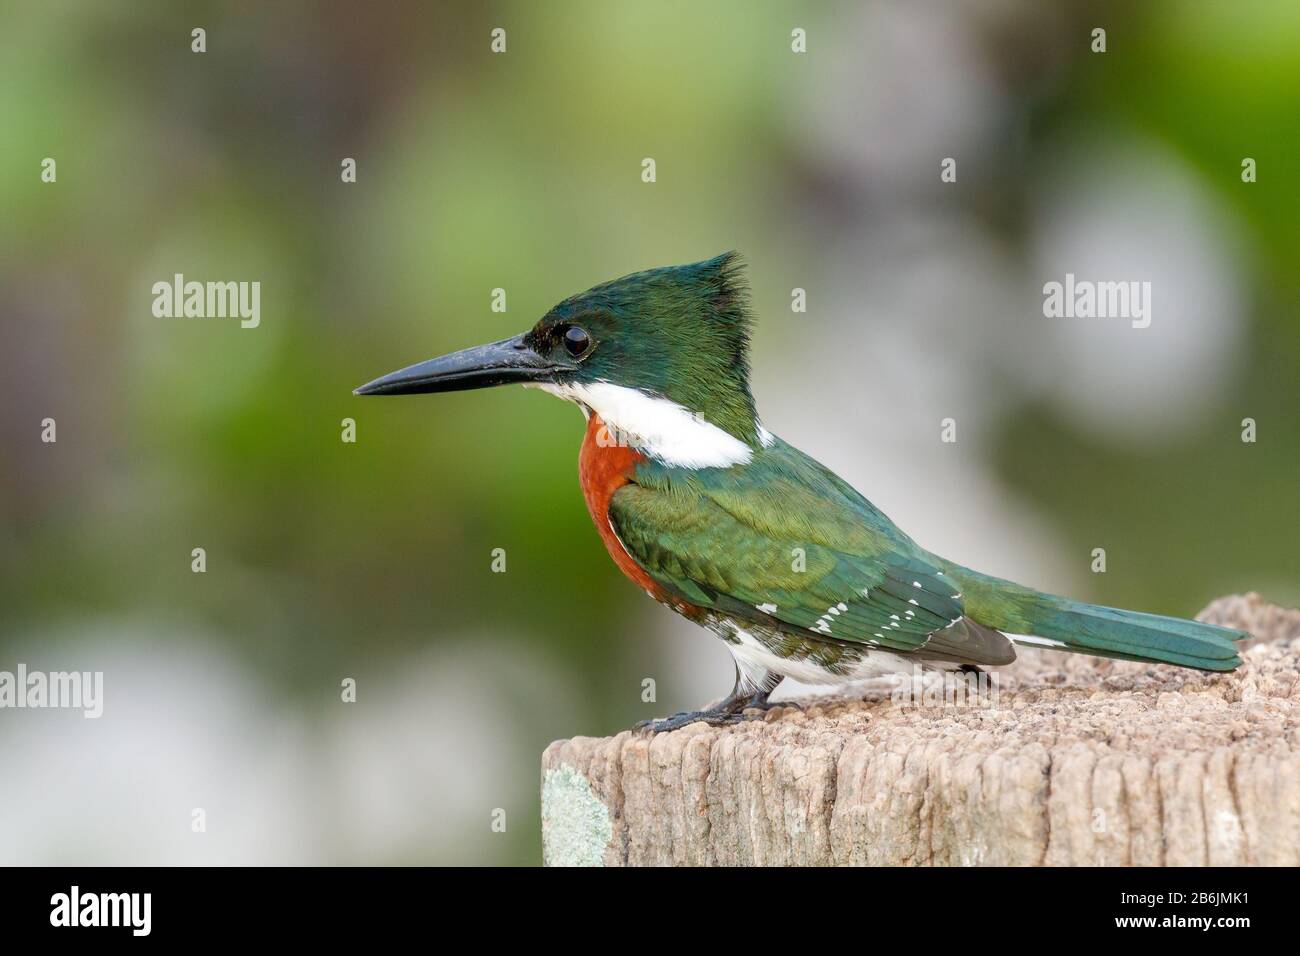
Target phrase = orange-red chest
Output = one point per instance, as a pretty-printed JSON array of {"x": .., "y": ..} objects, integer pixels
[{"x": 603, "y": 467}]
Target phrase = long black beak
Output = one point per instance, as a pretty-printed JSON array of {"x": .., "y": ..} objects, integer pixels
[{"x": 500, "y": 363}]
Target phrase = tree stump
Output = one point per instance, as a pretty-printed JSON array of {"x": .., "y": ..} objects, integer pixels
[{"x": 1068, "y": 760}]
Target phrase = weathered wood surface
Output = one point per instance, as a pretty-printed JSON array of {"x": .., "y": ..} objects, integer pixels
[{"x": 1074, "y": 761}]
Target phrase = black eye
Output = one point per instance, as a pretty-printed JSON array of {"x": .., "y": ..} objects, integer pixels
[{"x": 576, "y": 341}]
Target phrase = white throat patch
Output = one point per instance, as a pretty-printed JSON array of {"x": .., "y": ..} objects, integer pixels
[{"x": 657, "y": 427}]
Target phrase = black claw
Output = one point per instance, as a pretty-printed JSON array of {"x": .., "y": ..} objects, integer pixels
[
  {"x": 714, "y": 718},
  {"x": 731, "y": 710}
]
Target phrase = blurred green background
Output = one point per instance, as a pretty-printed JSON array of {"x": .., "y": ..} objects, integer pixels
[{"x": 522, "y": 171}]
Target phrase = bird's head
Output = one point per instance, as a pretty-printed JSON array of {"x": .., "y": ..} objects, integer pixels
[{"x": 677, "y": 335}]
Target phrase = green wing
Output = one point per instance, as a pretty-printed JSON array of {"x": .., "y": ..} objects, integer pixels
[{"x": 778, "y": 548}]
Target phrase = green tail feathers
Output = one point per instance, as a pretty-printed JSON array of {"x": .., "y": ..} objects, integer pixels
[
  {"x": 1134, "y": 636},
  {"x": 1066, "y": 625}
]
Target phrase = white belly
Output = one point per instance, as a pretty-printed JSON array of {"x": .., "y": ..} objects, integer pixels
[{"x": 754, "y": 660}]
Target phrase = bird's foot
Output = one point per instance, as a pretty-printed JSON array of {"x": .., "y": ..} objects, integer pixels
[
  {"x": 729, "y": 711},
  {"x": 713, "y": 718}
]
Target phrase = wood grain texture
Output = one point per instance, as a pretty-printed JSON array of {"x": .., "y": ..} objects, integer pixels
[{"x": 1076, "y": 761}]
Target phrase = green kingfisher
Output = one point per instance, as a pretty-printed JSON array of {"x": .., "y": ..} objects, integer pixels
[{"x": 726, "y": 524}]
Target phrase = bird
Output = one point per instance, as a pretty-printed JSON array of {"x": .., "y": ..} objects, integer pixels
[{"x": 728, "y": 525}]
